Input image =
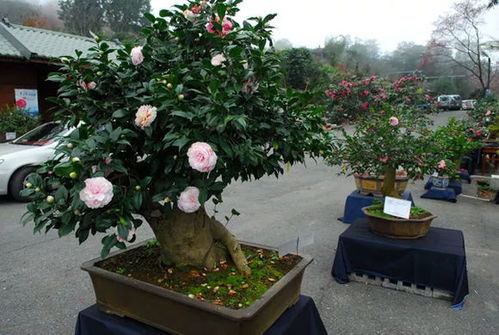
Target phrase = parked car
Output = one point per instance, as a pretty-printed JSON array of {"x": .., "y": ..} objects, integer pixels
[
  {"x": 468, "y": 104},
  {"x": 456, "y": 102},
  {"x": 449, "y": 101},
  {"x": 24, "y": 155}
]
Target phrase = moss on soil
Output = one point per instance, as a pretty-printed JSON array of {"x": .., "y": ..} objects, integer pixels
[
  {"x": 416, "y": 212},
  {"x": 224, "y": 286}
]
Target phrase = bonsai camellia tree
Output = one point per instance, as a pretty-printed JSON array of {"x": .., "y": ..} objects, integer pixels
[
  {"x": 162, "y": 128},
  {"x": 386, "y": 139}
]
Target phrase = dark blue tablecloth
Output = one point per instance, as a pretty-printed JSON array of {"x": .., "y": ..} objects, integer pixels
[
  {"x": 302, "y": 318},
  {"x": 450, "y": 193},
  {"x": 355, "y": 201},
  {"x": 465, "y": 176},
  {"x": 454, "y": 184},
  {"x": 437, "y": 260}
]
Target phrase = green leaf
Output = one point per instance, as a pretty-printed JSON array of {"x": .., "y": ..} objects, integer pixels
[
  {"x": 234, "y": 212},
  {"x": 150, "y": 17},
  {"x": 66, "y": 228},
  {"x": 186, "y": 115},
  {"x": 179, "y": 89},
  {"x": 120, "y": 113},
  {"x": 203, "y": 196},
  {"x": 108, "y": 242},
  {"x": 181, "y": 142},
  {"x": 164, "y": 13},
  {"x": 123, "y": 231},
  {"x": 137, "y": 200},
  {"x": 63, "y": 169},
  {"x": 61, "y": 195},
  {"x": 82, "y": 235}
]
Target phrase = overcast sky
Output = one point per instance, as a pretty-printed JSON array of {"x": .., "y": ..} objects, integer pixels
[{"x": 308, "y": 23}]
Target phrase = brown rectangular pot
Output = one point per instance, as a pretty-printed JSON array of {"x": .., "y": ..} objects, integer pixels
[{"x": 179, "y": 314}]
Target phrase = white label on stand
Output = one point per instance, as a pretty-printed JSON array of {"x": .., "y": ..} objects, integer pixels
[{"x": 397, "y": 207}]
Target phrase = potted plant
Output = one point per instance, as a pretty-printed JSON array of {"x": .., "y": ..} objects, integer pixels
[
  {"x": 16, "y": 121},
  {"x": 160, "y": 130},
  {"x": 386, "y": 139},
  {"x": 454, "y": 142}
]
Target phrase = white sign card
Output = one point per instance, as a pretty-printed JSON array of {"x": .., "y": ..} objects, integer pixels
[
  {"x": 397, "y": 207},
  {"x": 28, "y": 99},
  {"x": 10, "y": 136}
]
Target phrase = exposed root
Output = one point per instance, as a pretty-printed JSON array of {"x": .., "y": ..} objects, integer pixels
[{"x": 223, "y": 235}]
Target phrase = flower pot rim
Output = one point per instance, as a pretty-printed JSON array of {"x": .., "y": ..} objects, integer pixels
[
  {"x": 234, "y": 314},
  {"x": 365, "y": 211},
  {"x": 364, "y": 176}
]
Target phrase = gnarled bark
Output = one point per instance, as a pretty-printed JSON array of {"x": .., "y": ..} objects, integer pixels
[{"x": 189, "y": 240}]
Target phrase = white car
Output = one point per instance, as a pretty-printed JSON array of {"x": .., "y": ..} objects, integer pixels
[
  {"x": 469, "y": 104},
  {"x": 24, "y": 155}
]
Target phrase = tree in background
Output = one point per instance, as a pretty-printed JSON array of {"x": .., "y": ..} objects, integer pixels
[
  {"x": 123, "y": 17},
  {"x": 457, "y": 37},
  {"x": 17, "y": 10},
  {"x": 334, "y": 49},
  {"x": 82, "y": 16},
  {"x": 283, "y": 44},
  {"x": 31, "y": 14},
  {"x": 126, "y": 16},
  {"x": 301, "y": 71}
]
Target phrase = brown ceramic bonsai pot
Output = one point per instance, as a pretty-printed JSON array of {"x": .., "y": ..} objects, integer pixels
[
  {"x": 398, "y": 228},
  {"x": 372, "y": 185},
  {"x": 179, "y": 314}
]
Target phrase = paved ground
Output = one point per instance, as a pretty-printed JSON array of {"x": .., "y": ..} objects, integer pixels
[{"x": 42, "y": 288}]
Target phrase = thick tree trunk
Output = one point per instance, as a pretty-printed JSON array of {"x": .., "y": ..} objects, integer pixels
[
  {"x": 189, "y": 240},
  {"x": 389, "y": 183}
]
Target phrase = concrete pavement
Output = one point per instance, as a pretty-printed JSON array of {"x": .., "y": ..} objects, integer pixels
[{"x": 42, "y": 288}]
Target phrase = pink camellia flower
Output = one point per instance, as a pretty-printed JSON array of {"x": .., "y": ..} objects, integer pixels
[
  {"x": 441, "y": 164},
  {"x": 250, "y": 86},
  {"x": 394, "y": 121},
  {"x": 97, "y": 193},
  {"x": 382, "y": 112},
  {"x": 190, "y": 15},
  {"x": 365, "y": 105},
  {"x": 131, "y": 234},
  {"x": 427, "y": 97},
  {"x": 226, "y": 27},
  {"x": 137, "y": 56},
  {"x": 188, "y": 201},
  {"x": 21, "y": 103},
  {"x": 202, "y": 157},
  {"x": 218, "y": 60},
  {"x": 145, "y": 115},
  {"x": 197, "y": 9},
  {"x": 488, "y": 112},
  {"x": 210, "y": 27},
  {"x": 384, "y": 159},
  {"x": 91, "y": 85}
]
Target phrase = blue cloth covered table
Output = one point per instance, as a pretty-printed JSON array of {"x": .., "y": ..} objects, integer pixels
[
  {"x": 437, "y": 260},
  {"x": 302, "y": 318},
  {"x": 450, "y": 193},
  {"x": 465, "y": 176},
  {"x": 355, "y": 201}
]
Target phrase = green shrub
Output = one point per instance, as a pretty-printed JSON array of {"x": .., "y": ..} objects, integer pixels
[{"x": 15, "y": 119}]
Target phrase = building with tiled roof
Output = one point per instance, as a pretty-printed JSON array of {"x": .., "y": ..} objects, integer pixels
[{"x": 27, "y": 56}]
